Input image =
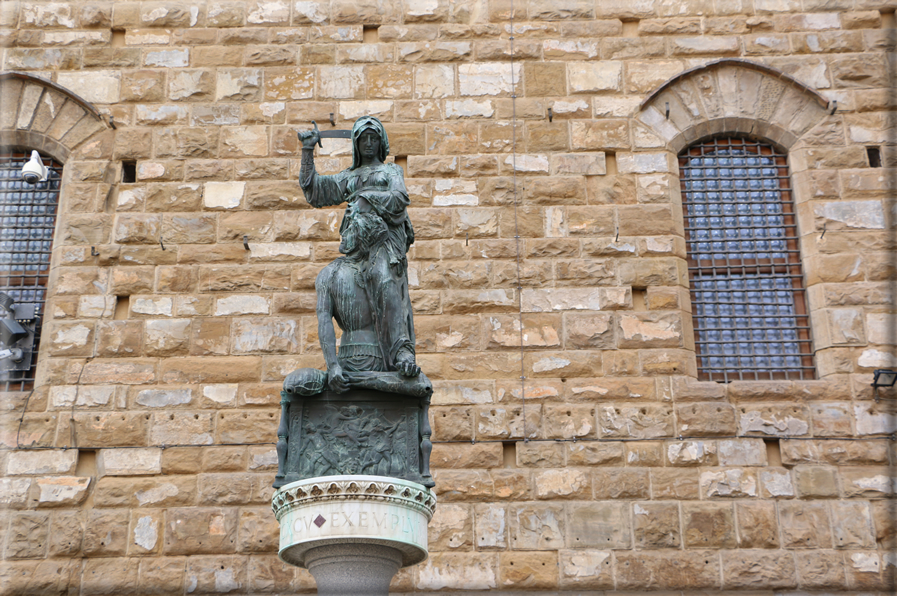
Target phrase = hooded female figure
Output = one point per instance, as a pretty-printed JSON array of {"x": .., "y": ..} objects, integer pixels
[{"x": 372, "y": 189}]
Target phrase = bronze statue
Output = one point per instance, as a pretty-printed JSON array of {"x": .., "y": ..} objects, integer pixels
[
  {"x": 366, "y": 290},
  {"x": 384, "y": 431}
]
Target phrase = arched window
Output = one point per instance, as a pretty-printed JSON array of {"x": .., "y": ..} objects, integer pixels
[
  {"x": 27, "y": 221},
  {"x": 750, "y": 313}
]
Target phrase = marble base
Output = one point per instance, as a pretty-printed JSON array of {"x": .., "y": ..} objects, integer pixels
[
  {"x": 357, "y": 569},
  {"x": 353, "y": 532}
]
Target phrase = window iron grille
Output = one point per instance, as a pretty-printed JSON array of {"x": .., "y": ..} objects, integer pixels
[
  {"x": 744, "y": 264},
  {"x": 27, "y": 222}
]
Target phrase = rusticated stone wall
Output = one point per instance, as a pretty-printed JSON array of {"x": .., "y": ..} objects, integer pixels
[{"x": 144, "y": 457}]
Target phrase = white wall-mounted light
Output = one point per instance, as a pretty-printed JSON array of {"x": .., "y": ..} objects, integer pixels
[{"x": 34, "y": 171}]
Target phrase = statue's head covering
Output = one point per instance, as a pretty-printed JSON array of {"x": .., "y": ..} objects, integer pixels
[{"x": 361, "y": 125}]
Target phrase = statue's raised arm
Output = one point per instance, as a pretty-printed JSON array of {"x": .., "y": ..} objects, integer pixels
[{"x": 320, "y": 191}]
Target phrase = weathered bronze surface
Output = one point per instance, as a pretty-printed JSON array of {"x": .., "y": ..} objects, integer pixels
[
  {"x": 356, "y": 432},
  {"x": 366, "y": 293}
]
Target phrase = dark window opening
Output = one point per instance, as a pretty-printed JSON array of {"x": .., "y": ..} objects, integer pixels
[
  {"x": 27, "y": 221},
  {"x": 370, "y": 34},
  {"x": 129, "y": 172},
  {"x": 750, "y": 314},
  {"x": 874, "y": 155}
]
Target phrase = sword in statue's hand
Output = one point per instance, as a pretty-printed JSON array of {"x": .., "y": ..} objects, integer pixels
[{"x": 329, "y": 134}]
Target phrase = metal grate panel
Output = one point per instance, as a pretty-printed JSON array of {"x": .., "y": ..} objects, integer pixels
[
  {"x": 27, "y": 221},
  {"x": 750, "y": 314}
]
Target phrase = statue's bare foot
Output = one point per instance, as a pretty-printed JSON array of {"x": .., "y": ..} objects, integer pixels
[{"x": 408, "y": 368}]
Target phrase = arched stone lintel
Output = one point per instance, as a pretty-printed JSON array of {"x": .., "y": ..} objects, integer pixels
[
  {"x": 741, "y": 63},
  {"x": 39, "y": 114},
  {"x": 35, "y": 140},
  {"x": 24, "y": 76},
  {"x": 776, "y": 135},
  {"x": 732, "y": 96}
]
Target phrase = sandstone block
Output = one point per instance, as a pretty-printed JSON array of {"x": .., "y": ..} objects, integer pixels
[
  {"x": 588, "y": 164},
  {"x": 200, "y": 530},
  {"x": 650, "y": 330},
  {"x": 145, "y": 532},
  {"x": 708, "y": 525},
  {"x": 512, "y": 484},
  {"x": 585, "y": 569},
  {"x": 605, "y": 524},
  {"x": 26, "y": 535},
  {"x": 567, "y": 484},
  {"x": 216, "y": 574},
  {"x": 656, "y": 525},
  {"x": 852, "y": 525},
  {"x": 528, "y": 570},
  {"x": 436, "y": 51},
  {"x": 773, "y": 420},
  {"x": 458, "y": 571},
  {"x": 691, "y": 453},
  {"x": 805, "y": 525},
  {"x": 451, "y": 529},
  {"x": 481, "y": 455},
  {"x": 866, "y": 482},
  {"x": 100, "y": 86},
  {"x": 62, "y": 491},
  {"x": 66, "y": 534},
  {"x": 232, "y": 489},
  {"x": 669, "y": 569},
  {"x": 433, "y": 81},
  {"x": 258, "y": 531},
  {"x": 112, "y": 491},
  {"x": 706, "y": 419},
  {"x": 129, "y": 462},
  {"x": 542, "y": 455},
  {"x": 816, "y": 481},
  {"x": 757, "y": 526},
  {"x": 181, "y": 428},
  {"x": 595, "y": 77},
  {"x": 594, "y": 454},
  {"x": 491, "y": 526},
  {"x": 14, "y": 493},
  {"x": 505, "y": 423},
  {"x": 544, "y": 78},
  {"x": 251, "y": 427},
  {"x": 776, "y": 483},
  {"x": 137, "y": 228},
  {"x": 716, "y": 45},
  {"x": 831, "y": 419},
  {"x": 751, "y": 569},
  {"x": 729, "y": 483},
  {"x": 106, "y": 576},
  {"x": 166, "y": 337},
  {"x": 621, "y": 483},
  {"x": 600, "y": 134},
  {"x": 106, "y": 532},
  {"x": 167, "y": 58},
  {"x": 820, "y": 569},
  {"x": 607, "y": 389},
  {"x": 465, "y": 485},
  {"x": 151, "y": 305},
  {"x": 35, "y": 463},
  {"x": 536, "y": 527},
  {"x": 742, "y": 452},
  {"x": 645, "y": 422},
  {"x": 107, "y": 429},
  {"x": 71, "y": 339},
  {"x": 222, "y": 459},
  {"x": 487, "y": 78}
]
